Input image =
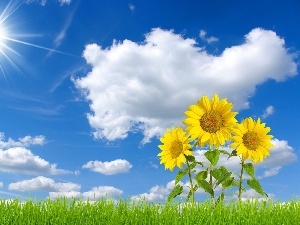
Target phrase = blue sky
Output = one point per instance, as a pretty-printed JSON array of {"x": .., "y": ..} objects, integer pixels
[{"x": 87, "y": 87}]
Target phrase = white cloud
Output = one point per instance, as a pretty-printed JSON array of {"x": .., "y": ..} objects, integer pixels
[
  {"x": 1, "y": 185},
  {"x": 280, "y": 155},
  {"x": 21, "y": 160},
  {"x": 156, "y": 193},
  {"x": 160, "y": 192},
  {"x": 251, "y": 194},
  {"x": 108, "y": 168},
  {"x": 101, "y": 192},
  {"x": 271, "y": 172},
  {"x": 131, "y": 7},
  {"x": 148, "y": 86},
  {"x": 22, "y": 142},
  {"x": 268, "y": 111},
  {"x": 61, "y": 35},
  {"x": 42, "y": 2},
  {"x": 232, "y": 164},
  {"x": 202, "y": 35},
  {"x": 62, "y": 2},
  {"x": 94, "y": 193},
  {"x": 150, "y": 197},
  {"x": 41, "y": 183}
]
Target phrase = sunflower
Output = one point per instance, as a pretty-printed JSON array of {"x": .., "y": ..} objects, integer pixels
[
  {"x": 251, "y": 140},
  {"x": 211, "y": 122},
  {"x": 175, "y": 146}
]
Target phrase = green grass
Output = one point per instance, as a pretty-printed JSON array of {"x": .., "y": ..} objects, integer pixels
[{"x": 75, "y": 211}]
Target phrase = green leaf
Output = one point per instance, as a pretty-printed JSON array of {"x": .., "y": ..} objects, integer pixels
[
  {"x": 233, "y": 153},
  {"x": 213, "y": 156},
  {"x": 254, "y": 184},
  {"x": 224, "y": 152},
  {"x": 220, "y": 173},
  {"x": 206, "y": 186},
  {"x": 190, "y": 158},
  {"x": 216, "y": 173},
  {"x": 249, "y": 168},
  {"x": 236, "y": 183},
  {"x": 223, "y": 177},
  {"x": 223, "y": 169},
  {"x": 193, "y": 165},
  {"x": 220, "y": 198},
  {"x": 180, "y": 175},
  {"x": 189, "y": 195},
  {"x": 200, "y": 163},
  {"x": 177, "y": 190},
  {"x": 202, "y": 175},
  {"x": 195, "y": 188},
  {"x": 227, "y": 183}
]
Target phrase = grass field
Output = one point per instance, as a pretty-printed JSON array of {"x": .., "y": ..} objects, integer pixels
[{"x": 75, "y": 211}]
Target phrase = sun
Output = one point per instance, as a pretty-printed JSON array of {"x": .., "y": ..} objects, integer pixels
[
  {"x": 4, "y": 48},
  {"x": 7, "y": 53},
  {"x": 9, "y": 35}
]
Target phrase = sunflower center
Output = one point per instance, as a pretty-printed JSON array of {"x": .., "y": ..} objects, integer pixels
[
  {"x": 251, "y": 140},
  {"x": 211, "y": 122},
  {"x": 176, "y": 149}
]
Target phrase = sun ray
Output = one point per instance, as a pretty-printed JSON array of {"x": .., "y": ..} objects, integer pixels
[
  {"x": 4, "y": 16},
  {"x": 8, "y": 35},
  {"x": 36, "y": 46}
]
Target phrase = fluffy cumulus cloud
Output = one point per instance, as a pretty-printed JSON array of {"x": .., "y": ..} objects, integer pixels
[
  {"x": 101, "y": 192},
  {"x": 94, "y": 193},
  {"x": 108, "y": 168},
  {"x": 21, "y": 160},
  {"x": 252, "y": 194},
  {"x": 232, "y": 164},
  {"x": 147, "y": 86},
  {"x": 156, "y": 193},
  {"x": 41, "y": 183},
  {"x": 280, "y": 155},
  {"x": 22, "y": 142},
  {"x": 66, "y": 189},
  {"x": 161, "y": 192}
]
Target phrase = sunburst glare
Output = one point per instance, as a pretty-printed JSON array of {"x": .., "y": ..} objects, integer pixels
[{"x": 8, "y": 35}]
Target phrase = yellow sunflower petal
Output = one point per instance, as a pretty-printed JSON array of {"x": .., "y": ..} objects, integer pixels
[
  {"x": 212, "y": 121},
  {"x": 196, "y": 109},
  {"x": 205, "y": 103},
  {"x": 251, "y": 140},
  {"x": 175, "y": 144}
]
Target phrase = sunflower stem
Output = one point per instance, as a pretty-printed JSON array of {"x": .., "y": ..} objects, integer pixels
[
  {"x": 241, "y": 181},
  {"x": 211, "y": 184},
  {"x": 191, "y": 182}
]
